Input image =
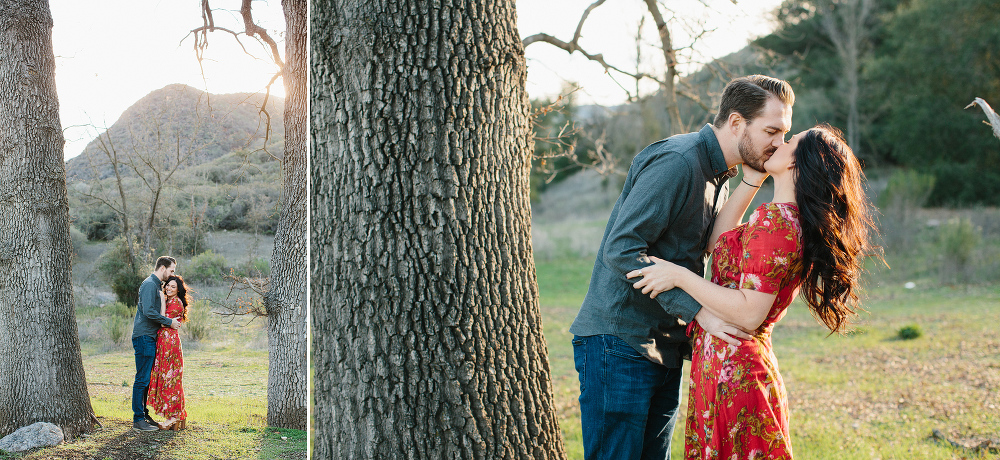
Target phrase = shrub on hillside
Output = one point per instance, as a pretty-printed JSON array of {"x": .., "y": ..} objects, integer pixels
[
  {"x": 78, "y": 238},
  {"x": 906, "y": 192},
  {"x": 97, "y": 222},
  {"x": 199, "y": 323},
  {"x": 207, "y": 267},
  {"x": 118, "y": 322},
  {"x": 259, "y": 267},
  {"x": 958, "y": 240},
  {"x": 115, "y": 269}
]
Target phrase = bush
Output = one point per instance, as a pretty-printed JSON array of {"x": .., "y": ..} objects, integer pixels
[
  {"x": 906, "y": 192},
  {"x": 959, "y": 238},
  {"x": 118, "y": 322},
  {"x": 78, "y": 238},
  {"x": 256, "y": 268},
  {"x": 909, "y": 332},
  {"x": 124, "y": 279},
  {"x": 207, "y": 267},
  {"x": 199, "y": 322}
]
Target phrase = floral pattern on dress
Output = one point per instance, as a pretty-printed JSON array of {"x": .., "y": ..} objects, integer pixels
[
  {"x": 166, "y": 395},
  {"x": 737, "y": 405}
]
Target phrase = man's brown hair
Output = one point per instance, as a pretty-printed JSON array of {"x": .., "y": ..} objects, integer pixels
[
  {"x": 748, "y": 95},
  {"x": 164, "y": 261}
]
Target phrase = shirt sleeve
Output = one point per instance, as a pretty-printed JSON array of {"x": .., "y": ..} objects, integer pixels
[
  {"x": 770, "y": 250},
  {"x": 657, "y": 193},
  {"x": 679, "y": 303}
]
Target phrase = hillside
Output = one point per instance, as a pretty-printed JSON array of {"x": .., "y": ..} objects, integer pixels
[{"x": 180, "y": 121}]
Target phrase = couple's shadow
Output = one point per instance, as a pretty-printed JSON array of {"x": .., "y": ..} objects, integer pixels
[{"x": 136, "y": 445}]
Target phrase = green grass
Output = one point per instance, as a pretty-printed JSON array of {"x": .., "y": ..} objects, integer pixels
[{"x": 860, "y": 396}]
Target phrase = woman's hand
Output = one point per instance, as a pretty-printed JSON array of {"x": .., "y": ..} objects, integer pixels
[
  {"x": 659, "y": 277},
  {"x": 752, "y": 176}
]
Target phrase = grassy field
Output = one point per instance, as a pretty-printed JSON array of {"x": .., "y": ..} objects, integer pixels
[
  {"x": 225, "y": 379},
  {"x": 868, "y": 395}
]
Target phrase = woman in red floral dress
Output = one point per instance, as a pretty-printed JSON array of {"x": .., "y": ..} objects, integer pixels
[
  {"x": 812, "y": 236},
  {"x": 166, "y": 395}
]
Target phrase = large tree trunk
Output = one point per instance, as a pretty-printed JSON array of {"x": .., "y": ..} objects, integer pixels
[
  {"x": 41, "y": 368},
  {"x": 427, "y": 335},
  {"x": 287, "y": 376}
]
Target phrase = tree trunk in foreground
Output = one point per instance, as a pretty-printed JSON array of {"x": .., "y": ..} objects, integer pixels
[
  {"x": 427, "y": 339},
  {"x": 41, "y": 368},
  {"x": 287, "y": 376}
]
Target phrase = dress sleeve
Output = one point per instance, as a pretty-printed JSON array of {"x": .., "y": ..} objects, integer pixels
[{"x": 770, "y": 250}]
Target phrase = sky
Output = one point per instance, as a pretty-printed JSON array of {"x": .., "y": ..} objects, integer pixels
[
  {"x": 111, "y": 53},
  {"x": 611, "y": 30}
]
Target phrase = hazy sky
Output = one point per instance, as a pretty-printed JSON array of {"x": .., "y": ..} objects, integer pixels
[{"x": 111, "y": 53}]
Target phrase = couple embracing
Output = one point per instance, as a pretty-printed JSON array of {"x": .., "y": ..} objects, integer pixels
[
  {"x": 648, "y": 305},
  {"x": 159, "y": 360}
]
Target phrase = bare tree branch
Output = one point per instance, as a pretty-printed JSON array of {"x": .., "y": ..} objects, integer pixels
[{"x": 990, "y": 114}]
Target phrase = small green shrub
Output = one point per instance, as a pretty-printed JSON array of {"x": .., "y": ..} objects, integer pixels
[
  {"x": 906, "y": 192},
  {"x": 909, "y": 332},
  {"x": 78, "y": 238},
  {"x": 207, "y": 267},
  {"x": 256, "y": 268},
  {"x": 124, "y": 279},
  {"x": 199, "y": 323},
  {"x": 118, "y": 322},
  {"x": 959, "y": 238}
]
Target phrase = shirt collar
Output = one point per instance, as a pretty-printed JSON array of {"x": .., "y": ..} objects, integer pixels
[{"x": 716, "y": 166}]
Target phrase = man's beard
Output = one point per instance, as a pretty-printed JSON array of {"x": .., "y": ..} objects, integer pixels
[{"x": 750, "y": 155}]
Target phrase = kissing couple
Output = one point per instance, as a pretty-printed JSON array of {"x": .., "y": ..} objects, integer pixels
[{"x": 648, "y": 304}]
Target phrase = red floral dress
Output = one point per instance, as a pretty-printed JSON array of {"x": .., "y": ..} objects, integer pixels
[
  {"x": 166, "y": 395},
  {"x": 737, "y": 406}
]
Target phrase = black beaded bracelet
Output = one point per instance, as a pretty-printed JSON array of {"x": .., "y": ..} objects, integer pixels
[{"x": 745, "y": 182}]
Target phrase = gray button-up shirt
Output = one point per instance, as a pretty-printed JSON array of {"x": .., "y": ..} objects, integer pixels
[
  {"x": 147, "y": 314},
  {"x": 674, "y": 190}
]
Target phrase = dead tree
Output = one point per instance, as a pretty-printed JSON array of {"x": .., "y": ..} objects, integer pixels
[
  {"x": 668, "y": 80},
  {"x": 994, "y": 119}
]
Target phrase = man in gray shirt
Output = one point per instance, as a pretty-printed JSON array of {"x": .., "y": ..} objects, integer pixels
[
  {"x": 148, "y": 320},
  {"x": 628, "y": 348}
]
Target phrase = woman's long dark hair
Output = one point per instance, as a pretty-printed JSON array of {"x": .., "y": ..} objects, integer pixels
[
  {"x": 182, "y": 294},
  {"x": 837, "y": 225}
]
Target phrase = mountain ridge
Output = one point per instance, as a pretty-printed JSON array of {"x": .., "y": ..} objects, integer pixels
[{"x": 181, "y": 123}]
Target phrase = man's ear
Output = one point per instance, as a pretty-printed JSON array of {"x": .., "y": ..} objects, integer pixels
[{"x": 735, "y": 121}]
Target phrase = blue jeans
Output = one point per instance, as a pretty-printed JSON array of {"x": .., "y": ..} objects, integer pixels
[
  {"x": 145, "y": 352},
  {"x": 628, "y": 403}
]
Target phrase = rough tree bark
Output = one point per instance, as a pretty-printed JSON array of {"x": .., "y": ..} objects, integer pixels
[
  {"x": 285, "y": 302},
  {"x": 41, "y": 367},
  {"x": 427, "y": 335}
]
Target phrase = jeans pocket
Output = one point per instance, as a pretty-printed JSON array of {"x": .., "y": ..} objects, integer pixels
[{"x": 620, "y": 348}]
